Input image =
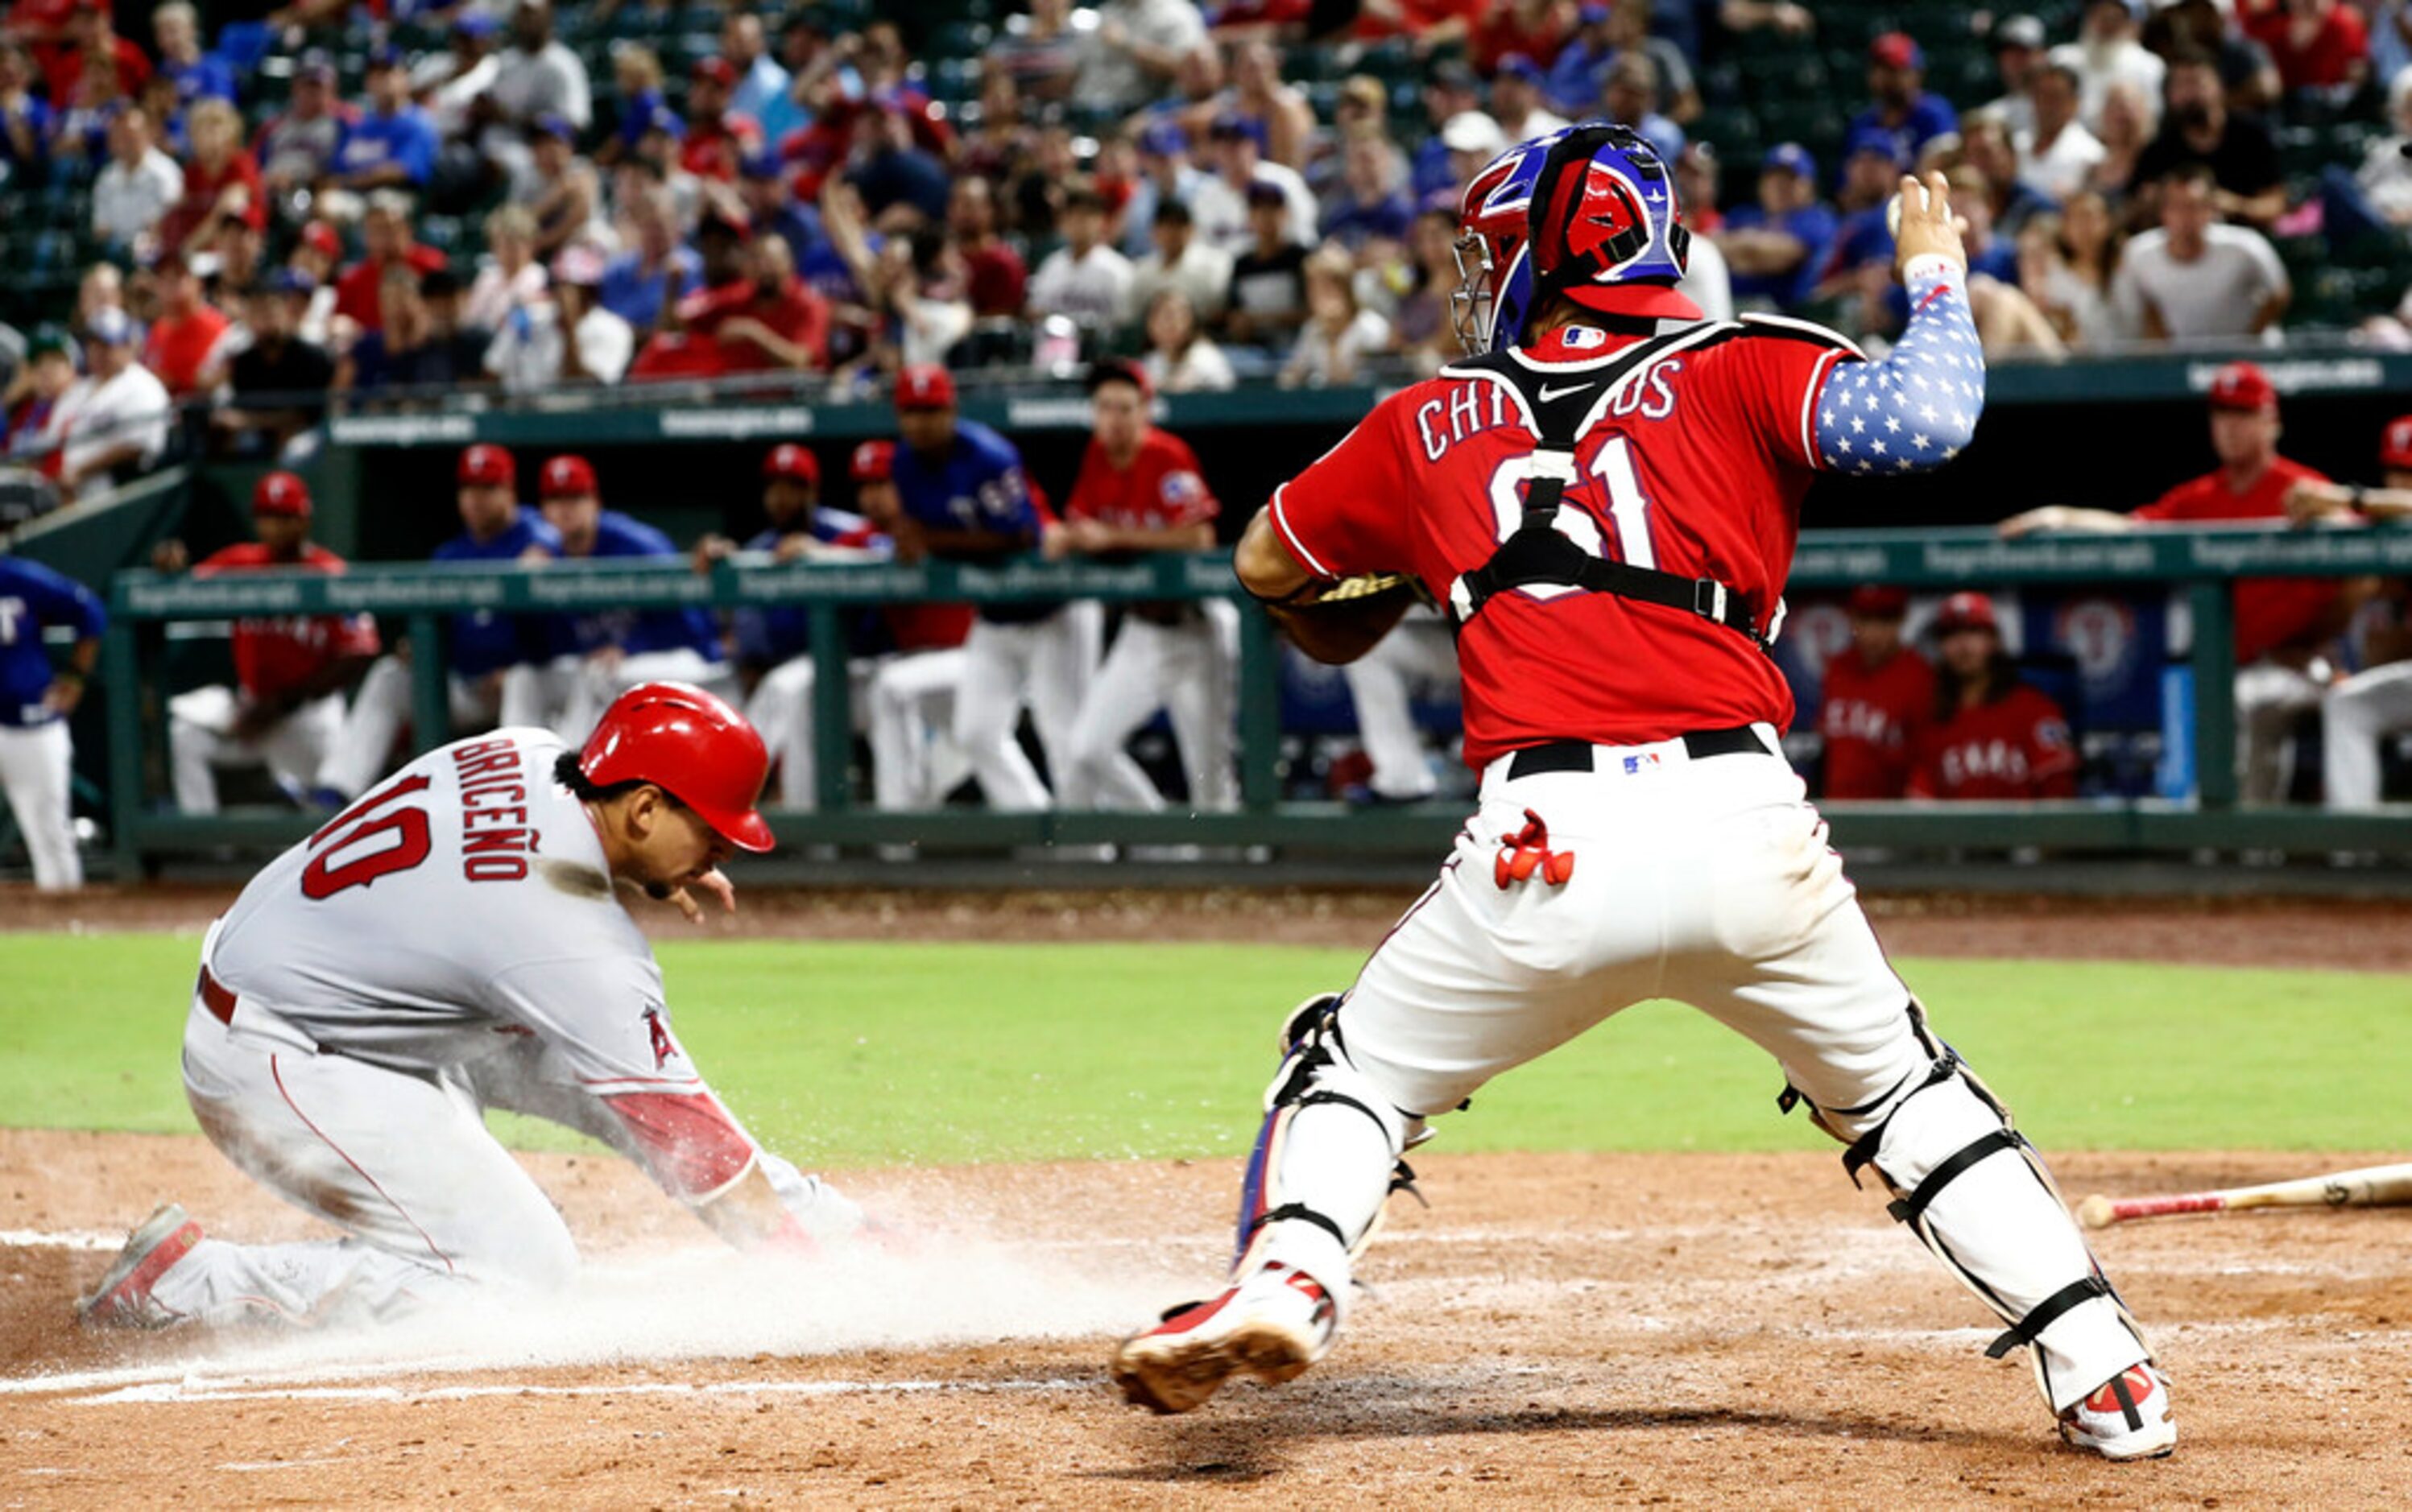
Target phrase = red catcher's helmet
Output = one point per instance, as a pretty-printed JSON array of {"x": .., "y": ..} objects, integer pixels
[{"x": 689, "y": 745}]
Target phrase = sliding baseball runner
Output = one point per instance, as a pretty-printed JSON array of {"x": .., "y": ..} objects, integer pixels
[
  {"x": 1606, "y": 497},
  {"x": 453, "y": 942}
]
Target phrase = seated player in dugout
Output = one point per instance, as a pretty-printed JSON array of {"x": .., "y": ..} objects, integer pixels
[
  {"x": 455, "y": 942},
  {"x": 1991, "y": 735},
  {"x": 1878, "y": 698},
  {"x": 2375, "y": 700},
  {"x": 1606, "y": 495},
  {"x": 2286, "y": 627}
]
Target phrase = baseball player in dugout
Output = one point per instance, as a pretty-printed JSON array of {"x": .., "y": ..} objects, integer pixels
[
  {"x": 480, "y": 648},
  {"x": 36, "y": 757},
  {"x": 2376, "y": 701},
  {"x": 452, "y": 943},
  {"x": 1879, "y": 695},
  {"x": 1138, "y": 490},
  {"x": 1605, "y": 495},
  {"x": 2284, "y": 625},
  {"x": 1991, "y": 736},
  {"x": 288, "y": 701},
  {"x": 773, "y": 649}
]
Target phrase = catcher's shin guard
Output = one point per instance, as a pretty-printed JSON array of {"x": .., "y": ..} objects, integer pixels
[
  {"x": 1977, "y": 1194},
  {"x": 1325, "y": 1159}
]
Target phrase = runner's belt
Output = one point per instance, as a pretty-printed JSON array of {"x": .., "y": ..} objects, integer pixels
[
  {"x": 1576, "y": 756},
  {"x": 216, "y": 998}
]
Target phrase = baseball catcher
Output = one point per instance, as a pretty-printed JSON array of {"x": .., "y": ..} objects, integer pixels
[
  {"x": 1605, "y": 497},
  {"x": 454, "y": 942}
]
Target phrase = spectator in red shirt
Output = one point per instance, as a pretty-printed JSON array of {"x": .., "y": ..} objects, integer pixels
[
  {"x": 91, "y": 34},
  {"x": 1536, "y": 28},
  {"x": 993, "y": 271},
  {"x": 289, "y": 672},
  {"x": 1880, "y": 698},
  {"x": 752, "y": 314},
  {"x": 718, "y": 140},
  {"x": 1425, "y": 23},
  {"x": 2317, "y": 44},
  {"x": 1993, "y": 737},
  {"x": 2283, "y": 624},
  {"x": 223, "y": 197},
  {"x": 184, "y": 345},
  {"x": 385, "y": 240}
]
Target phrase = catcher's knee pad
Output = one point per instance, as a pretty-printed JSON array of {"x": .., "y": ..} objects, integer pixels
[
  {"x": 1326, "y": 1156},
  {"x": 1977, "y": 1194}
]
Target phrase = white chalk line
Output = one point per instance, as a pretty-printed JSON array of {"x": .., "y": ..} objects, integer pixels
[
  {"x": 240, "y": 1389},
  {"x": 72, "y": 1238}
]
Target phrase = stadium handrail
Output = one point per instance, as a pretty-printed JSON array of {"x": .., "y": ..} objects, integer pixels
[{"x": 2201, "y": 562}]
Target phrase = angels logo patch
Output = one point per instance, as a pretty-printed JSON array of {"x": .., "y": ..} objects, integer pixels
[{"x": 663, "y": 1046}]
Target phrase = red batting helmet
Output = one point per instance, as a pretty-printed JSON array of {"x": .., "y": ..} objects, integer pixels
[
  {"x": 2395, "y": 447},
  {"x": 691, "y": 745}
]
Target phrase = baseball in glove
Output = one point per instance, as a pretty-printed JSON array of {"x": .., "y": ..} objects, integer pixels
[{"x": 1337, "y": 621}]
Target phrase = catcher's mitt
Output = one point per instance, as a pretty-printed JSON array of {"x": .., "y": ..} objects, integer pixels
[{"x": 1335, "y": 622}]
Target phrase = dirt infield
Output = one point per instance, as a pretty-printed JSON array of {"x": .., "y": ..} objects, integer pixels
[
  {"x": 2364, "y": 936},
  {"x": 1684, "y": 1329}
]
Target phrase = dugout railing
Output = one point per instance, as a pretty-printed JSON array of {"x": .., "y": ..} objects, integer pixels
[{"x": 2200, "y": 564}]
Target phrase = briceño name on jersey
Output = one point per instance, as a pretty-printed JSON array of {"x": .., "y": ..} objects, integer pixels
[
  {"x": 1477, "y": 405},
  {"x": 495, "y": 837}
]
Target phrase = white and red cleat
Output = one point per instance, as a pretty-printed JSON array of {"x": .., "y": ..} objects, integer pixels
[
  {"x": 123, "y": 1299},
  {"x": 1271, "y": 1326},
  {"x": 2128, "y": 1417}
]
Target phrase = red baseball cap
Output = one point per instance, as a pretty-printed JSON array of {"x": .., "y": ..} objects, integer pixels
[
  {"x": 2395, "y": 447},
  {"x": 320, "y": 238},
  {"x": 925, "y": 385},
  {"x": 2243, "y": 385},
  {"x": 1896, "y": 50},
  {"x": 1876, "y": 601},
  {"x": 486, "y": 466},
  {"x": 794, "y": 463},
  {"x": 566, "y": 477},
  {"x": 719, "y": 71},
  {"x": 873, "y": 461},
  {"x": 1967, "y": 612},
  {"x": 281, "y": 493}
]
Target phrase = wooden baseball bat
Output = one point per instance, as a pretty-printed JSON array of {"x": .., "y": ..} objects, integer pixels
[{"x": 2372, "y": 1186}]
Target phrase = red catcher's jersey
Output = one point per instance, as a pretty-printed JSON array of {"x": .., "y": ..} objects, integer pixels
[
  {"x": 2017, "y": 746},
  {"x": 1871, "y": 719},
  {"x": 1160, "y": 490},
  {"x": 2270, "y": 611},
  {"x": 273, "y": 656},
  {"x": 1697, "y": 469}
]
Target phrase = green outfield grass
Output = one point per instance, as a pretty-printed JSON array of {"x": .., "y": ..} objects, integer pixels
[{"x": 850, "y": 1054}]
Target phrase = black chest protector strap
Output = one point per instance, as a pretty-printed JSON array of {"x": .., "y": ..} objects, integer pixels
[{"x": 1560, "y": 400}]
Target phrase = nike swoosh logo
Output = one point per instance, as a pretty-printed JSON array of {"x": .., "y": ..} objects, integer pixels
[{"x": 1549, "y": 393}]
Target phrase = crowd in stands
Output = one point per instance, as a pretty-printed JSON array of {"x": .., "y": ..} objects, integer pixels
[{"x": 401, "y": 201}]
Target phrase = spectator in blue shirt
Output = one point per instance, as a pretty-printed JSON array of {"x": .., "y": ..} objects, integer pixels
[
  {"x": 24, "y": 118},
  {"x": 392, "y": 145},
  {"x": 1904, "y": 108},
  {"x": 1872, "y": 170},
  {"x": 1579, "y": 71},
  {"x": 1453, "y": 91},
  {"x": 35, "y": 757},
  {"x": 655, "y": 274},
  {"x": 1775, "y": 247},
  {"x": 896, "y": 170},
  {"x": 1630, "y": 98},
  {"x": 762, "y": 85},
  {"x": 1368, "y": 205},
  {"x": 197, "y": 75}
]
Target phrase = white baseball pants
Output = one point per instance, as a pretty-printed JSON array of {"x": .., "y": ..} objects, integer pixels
[
  {"x": 567, "y": 694},
  {"x": 1709, "y": 882},
  {"x": 914, "y": 759},
  {"x": 38, "y": 773},
  {"x": 201, "y": 738},
  {"x": 1046, "y": 661},
  {"x": 2355, "y": 716},
  {"x": 1186, "y": 669},
  {"x": 1417, "y": 653},
  {"x": 781, "y": 708},
  {"x": 363, "y": 747},
  {"x": 2270, "y": 697}
]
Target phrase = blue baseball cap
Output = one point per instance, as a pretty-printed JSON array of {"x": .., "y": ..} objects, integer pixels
[
  {"x": 553, "y": 123},
  {"x": 1591, "y": 14},
  {"x": 1516, "y": 66},
  {"x": 1788, "y": 157},
  {"x": 1164, "y": 139},
  {"x": 292, "y": 281},
  {"x": 469, "y": 22},
  {"x": 1877, "y": 140},
  {"x": 388, "y": 56}
]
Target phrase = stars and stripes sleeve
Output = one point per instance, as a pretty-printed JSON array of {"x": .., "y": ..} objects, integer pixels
[{"x": 1916, "y": 409}]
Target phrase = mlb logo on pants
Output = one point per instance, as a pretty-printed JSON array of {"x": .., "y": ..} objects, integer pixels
[{"x": 1635, "y": 763}]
